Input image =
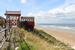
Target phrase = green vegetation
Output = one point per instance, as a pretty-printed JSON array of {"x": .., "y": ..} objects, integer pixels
[
  {"x": 8, "y": 40},
  {"x": 8, "y": 48},
  {"x": 23, "y": 44},
  {"x": 16, "y": 39},
  {"x": 0, "y": 20},
  {"x": 36, "y": 40},
  {"x": 39, "y": 40},
  {"x": 49, "y": 38}
]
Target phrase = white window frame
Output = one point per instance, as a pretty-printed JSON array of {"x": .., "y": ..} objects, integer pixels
[{"x": 10, "y": 17}]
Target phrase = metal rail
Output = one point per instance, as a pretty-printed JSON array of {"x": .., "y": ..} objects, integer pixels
[
  {"x": 4, "y": 41},
  {"x": 3, "y": 29},
  {"x": 5, "y": 35}
]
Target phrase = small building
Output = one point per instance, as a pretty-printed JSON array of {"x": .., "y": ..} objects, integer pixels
[{"x": 13, "y": 16}]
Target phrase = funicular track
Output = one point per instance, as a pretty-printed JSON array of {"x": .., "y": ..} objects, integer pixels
[
  {"x": 14, "y": 33},
  {"x": 11, "y": 39}
]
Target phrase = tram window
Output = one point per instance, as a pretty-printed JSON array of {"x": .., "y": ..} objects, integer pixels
[
  {"x": 17, "y": 17},
  {"x": 32, "y": 19},
  {"x": 7, "y": 18},
  {"x": 14, "y": 17},
  {"x": 28, "y": 19},
  {"x": 22, "y": 19}
]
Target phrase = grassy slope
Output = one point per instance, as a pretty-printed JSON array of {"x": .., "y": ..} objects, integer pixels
[{"x": 39, "y": 40}]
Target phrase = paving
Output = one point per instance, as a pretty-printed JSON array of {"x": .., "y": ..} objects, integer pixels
[
  {"x": 1, "y": 36},
  {"x": 7, "y": 43}
]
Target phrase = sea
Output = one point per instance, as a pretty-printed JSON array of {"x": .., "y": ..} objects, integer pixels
[{"x": 60, "y": 27}]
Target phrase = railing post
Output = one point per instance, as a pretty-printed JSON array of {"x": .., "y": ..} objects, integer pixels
[
  {"x": 6, "y": 29},
  {"x": 9, "y": 25}
]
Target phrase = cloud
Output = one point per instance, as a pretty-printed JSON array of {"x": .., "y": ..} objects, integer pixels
[
  {"x": 55, "y": 15},
  {"x": 30, "y": 14},
  {"x": 73, "y": 1},
  {"x": 67, "y": 3},
  {"x": 23, "y": 1}
]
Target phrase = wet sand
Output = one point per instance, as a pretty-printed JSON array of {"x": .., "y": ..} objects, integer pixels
[{"x": 66, "y": 37}]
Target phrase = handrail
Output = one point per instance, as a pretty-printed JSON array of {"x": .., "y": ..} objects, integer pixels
[
  {"x": 4, "y": 41},
  {"x": 3, "y": 29},
  {"x": 5, "y": 35}
]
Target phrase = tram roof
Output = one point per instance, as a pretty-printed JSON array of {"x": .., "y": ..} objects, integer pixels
[
  {"x": 12, "y": 12},
  {"x": 26, "y": 17}
]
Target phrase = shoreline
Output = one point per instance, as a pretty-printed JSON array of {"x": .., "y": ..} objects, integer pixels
[
  {"x": 65, "y": 37},
  {"x": 60, "y": 29}
]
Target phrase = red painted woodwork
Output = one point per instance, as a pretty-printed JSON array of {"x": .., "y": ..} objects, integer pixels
[
  {"x": 29, "y": 23},
  {"x": 14, "y": 22},
  {"x": 30, "y": 20},
  {"x": 14, "y": 13}
]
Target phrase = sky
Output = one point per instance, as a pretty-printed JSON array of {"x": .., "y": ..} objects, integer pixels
[{"x": 44, "y": 11}]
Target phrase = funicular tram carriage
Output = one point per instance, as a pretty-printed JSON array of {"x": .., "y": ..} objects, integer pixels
[{"x": 27, "y": 22}]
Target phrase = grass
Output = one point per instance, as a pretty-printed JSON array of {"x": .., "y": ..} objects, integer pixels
[
  {"x": 43, "y": 41},
  {"x": 49, "y": 37},
  {"x": 8, "y": 48},
  {"x": 16, "y": 39},
  {"x": 45, "y": 35},
  {"x": 23, "y": 44},
  {"x": 8, "y": 40},
  {"x": 38, "y": 40}
]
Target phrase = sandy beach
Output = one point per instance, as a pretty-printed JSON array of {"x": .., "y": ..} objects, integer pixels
[{"x": 67, "y": 38}]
